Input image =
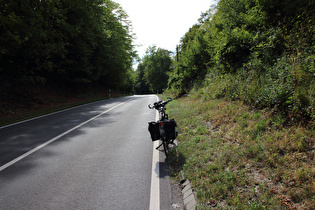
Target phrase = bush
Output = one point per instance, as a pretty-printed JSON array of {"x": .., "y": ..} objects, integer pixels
[{"x": 288, "y": 85}]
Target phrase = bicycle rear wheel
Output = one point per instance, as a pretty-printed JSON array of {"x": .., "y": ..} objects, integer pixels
[{"x": 166, "y": 146}]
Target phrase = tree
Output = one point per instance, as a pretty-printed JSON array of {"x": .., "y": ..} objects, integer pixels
[
  {"x": 64, "y": 42},
  {"x": 258, "y": 51},
  {"x": 155, "y": 67},
  {"x": 141, "y": 85},
  {"x": 193, "y": 57}
]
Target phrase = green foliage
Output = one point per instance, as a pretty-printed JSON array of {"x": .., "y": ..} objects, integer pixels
[
  {"x": 63, "y": 42},
  {"x": 191, "y": 67},
  {"x": 153, "y": 71},
  {"x": 141, "y": 86},
  {"x": 257, "y": 51}
]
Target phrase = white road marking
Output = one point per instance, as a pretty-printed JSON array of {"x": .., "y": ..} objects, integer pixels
[
  {"x": 56, "y": 138},
  {"x": 155, "y": 176},
  {"x": 46, "y": 115}
]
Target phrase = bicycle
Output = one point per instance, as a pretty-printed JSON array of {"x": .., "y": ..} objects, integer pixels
[{"x": 163, "y": 129}]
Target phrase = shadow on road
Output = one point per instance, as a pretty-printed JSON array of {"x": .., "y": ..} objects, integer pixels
[{"x": 19, "y": 139}]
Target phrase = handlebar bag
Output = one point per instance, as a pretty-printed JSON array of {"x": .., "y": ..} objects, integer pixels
[
  {"x": 154, "y": 131},
  {"x": 170, "y": 129}
]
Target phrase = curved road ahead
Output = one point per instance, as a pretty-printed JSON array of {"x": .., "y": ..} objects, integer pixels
[{"x": 96, "y": 156}]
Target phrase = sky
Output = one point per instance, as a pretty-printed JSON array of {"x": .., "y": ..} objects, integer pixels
[{"x": 162, "y": 22}]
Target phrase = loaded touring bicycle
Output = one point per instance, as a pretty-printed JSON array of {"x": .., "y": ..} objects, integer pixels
[{"x": 164, "y": 129}]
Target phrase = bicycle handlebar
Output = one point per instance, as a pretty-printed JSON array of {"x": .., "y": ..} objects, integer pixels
[{"x": 160, "y": 104}]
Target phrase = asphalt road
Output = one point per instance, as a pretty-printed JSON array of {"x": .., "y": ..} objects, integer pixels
[{"x": 96, "y": 156}]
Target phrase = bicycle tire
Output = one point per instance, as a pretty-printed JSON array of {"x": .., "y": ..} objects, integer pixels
[{"x": 166, "y": 147}]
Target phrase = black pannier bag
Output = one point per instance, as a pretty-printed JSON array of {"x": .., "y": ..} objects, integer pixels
[
  {"x": 170, "y": 129},
  {"x": 154, "y": 130}
]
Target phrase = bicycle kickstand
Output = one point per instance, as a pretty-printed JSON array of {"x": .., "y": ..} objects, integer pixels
[{"x": 159, "y": 146}]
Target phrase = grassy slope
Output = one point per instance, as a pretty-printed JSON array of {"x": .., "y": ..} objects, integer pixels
[{"x": 242, "y": 158}]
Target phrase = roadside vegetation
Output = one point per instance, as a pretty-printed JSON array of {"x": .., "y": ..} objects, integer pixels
[
  {"x": 60, "y": 53},
  {"x": 65, "y": 46},
  {"x": 236, "y": 156},
  {"x": 244, "y": 80},
  {"x": 259, "y": 52}
]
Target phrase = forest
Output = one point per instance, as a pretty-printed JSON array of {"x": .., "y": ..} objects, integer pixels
[
  {"x": 152, "y": 71},
  {"x": 258, "y": 51},
  {"x": 64, "y": 45}
]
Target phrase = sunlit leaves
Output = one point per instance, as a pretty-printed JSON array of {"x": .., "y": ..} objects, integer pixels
[{"x": 154, "y": 69}]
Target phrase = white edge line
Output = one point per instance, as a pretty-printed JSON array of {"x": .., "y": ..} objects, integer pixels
[
  {"x": 49, "y": 114},
  {"x": 155, "y": 175},
  {"x": 54, "y": 139}
]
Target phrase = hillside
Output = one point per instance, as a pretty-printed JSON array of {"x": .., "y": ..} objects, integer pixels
[
  {"x": 239, "y": 157},
  {"x": 244, "y": 76}
]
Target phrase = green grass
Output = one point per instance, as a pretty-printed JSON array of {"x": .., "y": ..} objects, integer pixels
[{"x": 241, "y": 158}]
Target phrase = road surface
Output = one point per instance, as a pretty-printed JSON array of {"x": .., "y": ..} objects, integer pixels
[{"x": 95, "y": 156}]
